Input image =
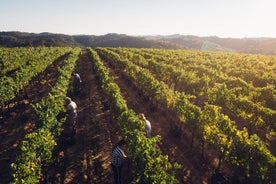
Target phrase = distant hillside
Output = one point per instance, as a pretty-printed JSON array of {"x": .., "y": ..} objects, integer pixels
[
  {"x": 120, "y": 40},
  {"x": 17, "y": 39},
  {"x": 245, "y": 45}
]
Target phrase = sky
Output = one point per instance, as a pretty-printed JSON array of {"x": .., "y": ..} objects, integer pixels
[{"x": 222, "y": 18}]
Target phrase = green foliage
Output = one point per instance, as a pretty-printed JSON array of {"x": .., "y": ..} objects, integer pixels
[
  {"x": 36, "y": 148},
  {"x": 21, "y": 65},
  {"x": 234, "y": 146},
  {"x": 150, "y": 164}
]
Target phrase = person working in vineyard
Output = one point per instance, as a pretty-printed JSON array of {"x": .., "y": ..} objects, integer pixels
[
  {"x": 117, "y": 160},
  {"x": 76, "y": 82},
  {"x": 71, "y": 108},
  {"x": 147, "y": 125}
]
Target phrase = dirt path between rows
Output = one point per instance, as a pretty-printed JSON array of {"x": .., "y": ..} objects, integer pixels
[{"x": 87, "y": 158}]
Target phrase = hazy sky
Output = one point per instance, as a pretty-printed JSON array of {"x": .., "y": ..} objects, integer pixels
[{"x": 223, "y": 18}]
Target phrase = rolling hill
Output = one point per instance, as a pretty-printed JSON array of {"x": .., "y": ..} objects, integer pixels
[{"x": 265, "y": 46}]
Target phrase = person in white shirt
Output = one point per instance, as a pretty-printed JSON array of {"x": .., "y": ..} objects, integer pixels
[
  {"x": 71, "y": 108},
  {"x": 147, "y": 125}
]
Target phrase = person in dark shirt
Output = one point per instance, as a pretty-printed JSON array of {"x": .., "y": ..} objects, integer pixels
[
  {"x": 76, "y": 82},
  {"x": 117, "y": 160}
]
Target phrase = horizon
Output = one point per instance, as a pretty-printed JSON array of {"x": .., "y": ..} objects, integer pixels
[
  {"x": 156, "y": 35},
  {"x": 202, "y": 18}
]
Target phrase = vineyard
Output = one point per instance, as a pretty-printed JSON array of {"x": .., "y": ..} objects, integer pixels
[{"x": 213, "y": 115}]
